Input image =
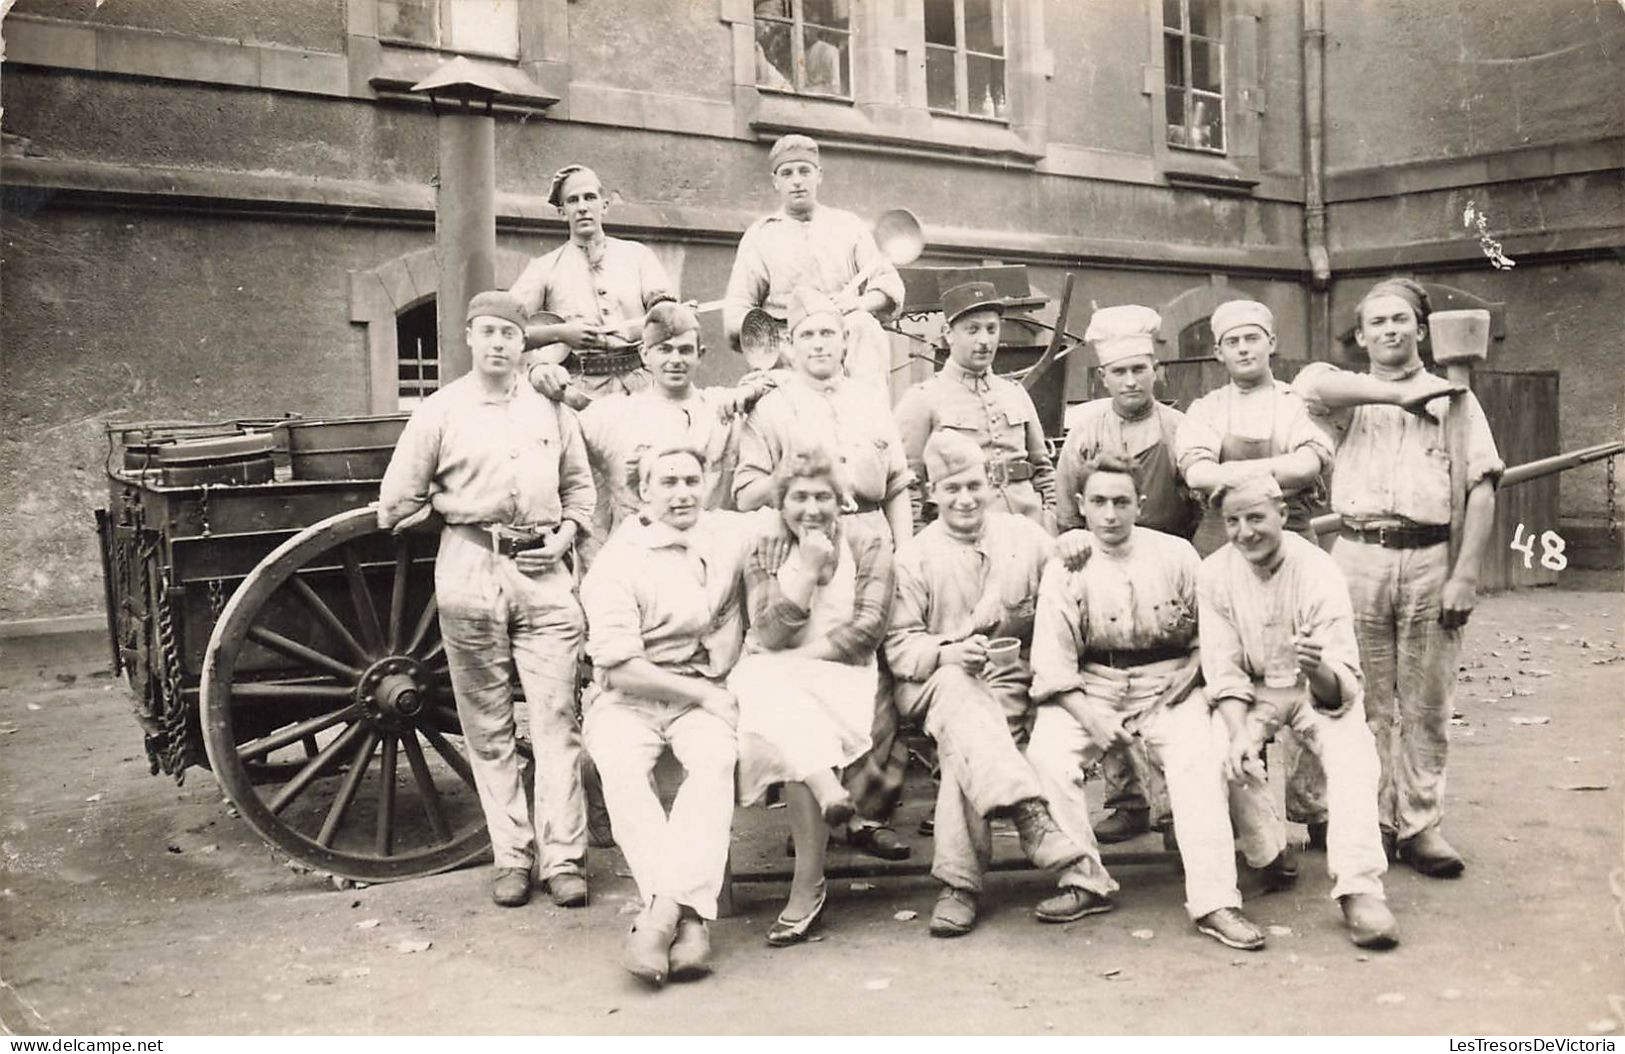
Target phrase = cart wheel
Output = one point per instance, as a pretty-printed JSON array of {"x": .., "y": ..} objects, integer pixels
[{"x": 327, "y": 656}]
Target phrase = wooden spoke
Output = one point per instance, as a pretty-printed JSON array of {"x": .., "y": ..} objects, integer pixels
[
  {"x": 352, "y": 783},
  {"x": 258, "y": 748},
  {"x": 291, "y": 693},
  {"x": 302, "y": 652},
  {"x": 426, "y": 623},
  {"x": 449, "y": 753},
  {"x": 397, "y": 594},
  {"x": 385, "y": 843},
  {"x": 426, "y": 788},
  {"x": 317, "y": 765},
  {"x": 309, "y": 743},
  {"x": 361, "y": 597},
  {"x": 438, "y": 649},
  {"x": 328, "y": 619}
]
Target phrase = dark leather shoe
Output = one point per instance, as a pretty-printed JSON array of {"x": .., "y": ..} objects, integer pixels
[
  {"x": 839, "y": 811},
  {"x": 1279, "y": 874},
  {"x": 927, "y": 828},
  {"x": 568, "y": 890},
  {"x": 785, "y": 932},
  {"x": 1072, "y": 904},
  {"x": 954, "y": 914},
  {"x": 881, "y": 842},
  {"x": 1122, "y": 825},
  {"x": 1042, "y": 839},
  {"x": 648, "y": 947},
  {"x": 1431, "y": 855},
  {"x": 1370, "y": 923},
  {"x": 1317, "y": 835},
  {"x": 1230, "y": 927},
  {"x": 691, "y": 950},
  {"x": 512, "y": 887}
]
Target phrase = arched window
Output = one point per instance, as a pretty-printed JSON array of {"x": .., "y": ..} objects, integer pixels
[{"x": 417, "y": 350}]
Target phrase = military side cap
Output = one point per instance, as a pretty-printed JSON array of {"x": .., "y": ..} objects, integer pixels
[
  {"x": 666, "y": 320},
  {"x": 497, "y": 304},
  {"x": 805, "y": 301},
  {"x": 948, "y": 453},
  {"x": 970, "y": 296},
  {"x": 1233, "y": 313},
  {"x": 555, "y": 190},
  {"x": 793, "y": 147},
  {"x": 1255, "y": 486},
  {"x": 1122, "y": 332}
]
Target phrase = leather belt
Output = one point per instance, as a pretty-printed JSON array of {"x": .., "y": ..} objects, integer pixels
[
  {"x": 1399, "y": 536},
  {"x": 1011, "y": 470},
  {"x": 1122, "y": 660},
  {"x": 607, "y": 363},
  {"x": 505, "y": 539}
]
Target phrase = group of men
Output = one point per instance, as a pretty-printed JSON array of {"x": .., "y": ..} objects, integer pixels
[{"x": 595, "y": 467}]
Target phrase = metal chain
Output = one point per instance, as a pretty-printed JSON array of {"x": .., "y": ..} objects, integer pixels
[
  {"x": 217, "y": 599},
  {"x": 175, "y": 747},
  {"x": 1613, "y": 503}
]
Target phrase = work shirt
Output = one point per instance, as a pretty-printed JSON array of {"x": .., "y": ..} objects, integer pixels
[
  {"x": 617, "y": 428},
  {"x": 515, "y": 459},
  {"x": 848, "y": 613},
  {"x": 1138, "y": 597},
  {"x": 825, "y": 251},
  {"x": 836, "y": 415},
  {"x": 1394, "y": 466},
  {"x": 1146, "y": 443},
  {"x": 1248, "y": 616},
  {"x": 672, "y": 597},
  {"x": 621, "y": 285},
  {"x": 1228, "y": 424},
  {"x": 948, "y": 589},
  {"x": 994, "y": 412}
]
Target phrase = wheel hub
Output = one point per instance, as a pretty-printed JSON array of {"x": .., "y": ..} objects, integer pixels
[{"x": 392, "y": 689}]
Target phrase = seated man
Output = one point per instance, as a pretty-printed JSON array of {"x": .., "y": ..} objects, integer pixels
[
  {"x": 1278, "y": 650},
  {"x": 967, "y": 578},
  {"x": 1114, "y": 656},
  {"x": 663, "y": 611}
]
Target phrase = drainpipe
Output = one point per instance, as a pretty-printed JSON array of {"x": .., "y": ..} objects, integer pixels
[{"x": 1314, "y": 198}]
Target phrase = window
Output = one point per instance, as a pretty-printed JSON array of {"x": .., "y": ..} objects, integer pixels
[
  {"x": 964, "y": 57},
  {"x": 804, "y": 46},
  {"x": 1193, "y": 71},
  {"x": 472, "y": 27},
  {"x": 417, "y": 355}
]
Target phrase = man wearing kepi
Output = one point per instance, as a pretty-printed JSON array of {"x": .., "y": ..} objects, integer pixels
[
  {"x": 963, "y": 583},
  {"x": 1257, "y": 423},
  {"x": 966, "y": 397},
  {"x": 1278, "y": 651},
  {"x": 1114, "y": 657},
  {"x": 665, "y": 628},
  {"x": 831, "y": 250},
  {"x": 1392, "y": 487},
  {"x": 600, "y": 286},
  {"x": 1129, "y": 424},
  {"x": 507, "y": 470}
]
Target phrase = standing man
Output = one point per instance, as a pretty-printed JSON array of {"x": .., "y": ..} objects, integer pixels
[
  {"x": 602, "y": 285},
  {"x": 1115, "y": 658},
  {"x": 1392, "y": 486},
  {"x": 968, "y": 398},
  {"x": 507, "y": 470},
  {"x": 829, "y": 249},
  {"x": 1130, "y": 424},
  {"x": 1257, "y": 423},
  {"x": 1278, "y": 650},
  {"x": 665, "y": 628},
  {"x": 963, "y": 581}
]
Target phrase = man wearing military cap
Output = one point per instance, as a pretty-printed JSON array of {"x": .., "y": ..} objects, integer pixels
[
  {"x": 601, "y": 286},
  {"x": 964, "y": 581},
  {"x": 1132, "y": 425},
  {"x": 806, "y": 243},
  {"x": 1256, "y": 423},
  {"x": 507, "y": 471},
  {"x": 966, "y": 397}
]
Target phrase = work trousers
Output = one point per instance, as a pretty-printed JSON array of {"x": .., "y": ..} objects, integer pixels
[
  {"x": 683, "y": 855},
  {"x": 494, "y": 621},
  {"x": 1409, "y": 661},
  {"x": 1348, "y": 754},
  {"x": 1186, "y": 742}
]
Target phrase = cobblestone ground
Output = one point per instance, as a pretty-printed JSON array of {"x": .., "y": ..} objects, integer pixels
[{"x": 128, "y": 905}]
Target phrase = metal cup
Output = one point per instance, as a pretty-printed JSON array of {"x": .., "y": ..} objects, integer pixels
[{"x": 1003, "y": 653}]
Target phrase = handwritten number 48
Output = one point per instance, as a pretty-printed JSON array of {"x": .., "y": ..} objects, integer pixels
[{"x": 1551, "y": 549}]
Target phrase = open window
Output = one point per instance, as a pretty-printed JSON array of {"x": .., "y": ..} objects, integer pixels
[
  {"x": 1193, "y": 74},
  {"x": 804, "y": 47}
]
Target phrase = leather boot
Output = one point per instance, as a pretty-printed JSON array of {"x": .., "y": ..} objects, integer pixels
[{"x": 1042, "y": 839}]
